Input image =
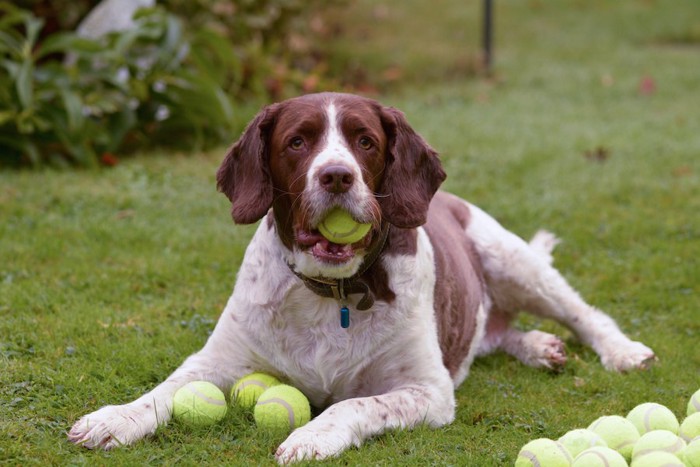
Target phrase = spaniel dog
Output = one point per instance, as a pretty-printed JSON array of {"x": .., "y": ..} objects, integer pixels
[{"x": 434, "y": 283}]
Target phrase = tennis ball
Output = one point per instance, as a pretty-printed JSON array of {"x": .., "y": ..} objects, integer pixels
[
  {"x": 658, "y": 440},
  {"x": 690, "y": 428},
  {"x": 199, "y": 403},
  {"x": 691, "y": 455},
  {"x": 652, "y": 416},
  {"x": 340, "y": 227},
  {"x": 579, "y": 440},
  {"x": 657, "y": 459},
  {"x": 282, "y": 408},
  {"x": 694, "y": 403},
  {"x": 618, "y": 432},
  {"x": 543, "y": 451},
  {"x": 599, "y": 456},
  {"x": 247, "y": 390}
]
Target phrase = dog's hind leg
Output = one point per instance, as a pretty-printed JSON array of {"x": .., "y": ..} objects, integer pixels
[{"x": 520, "y": 277}]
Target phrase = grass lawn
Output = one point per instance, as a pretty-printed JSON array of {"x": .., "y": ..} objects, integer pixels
[{"x": 590, "y": 128}]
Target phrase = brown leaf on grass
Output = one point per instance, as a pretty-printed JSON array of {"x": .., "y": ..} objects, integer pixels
[
  {"x": 647, "y": 86},
  {"x": 599, "y": 154},
  {"x": 393, "y": 73},
  {"x": 108, "y": 159},
  {"x": 683, "y": 171}
]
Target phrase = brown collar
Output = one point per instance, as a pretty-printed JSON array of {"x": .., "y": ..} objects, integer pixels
[{"x": 341, "y": 288}]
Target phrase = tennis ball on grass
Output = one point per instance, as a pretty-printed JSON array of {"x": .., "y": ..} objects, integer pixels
[
  {"x": 340, "y": 227},
  {"x": 657, "y": 459},
  {"x": 691, "y": 454},
  {"x": 282, "y": 408},
  {"x": 248, "y": 389},
  {"x": 543, "y": 451},
  {"x": 658, "y": 440},
  {"x": 690, "y": 428},
  {"x": 599, "y": 456},
  {"x": 579, "y": 440},
  {"x": 618, "y": 432},
  {"x": 694, "y": 403},
  {"x": 199, "y": 403},
  {"x": 651, "y": 416}
]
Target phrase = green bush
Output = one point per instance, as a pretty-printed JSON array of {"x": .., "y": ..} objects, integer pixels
[
  {"x": 129, "y": 88},
  {"x": 137, "y": 88}
]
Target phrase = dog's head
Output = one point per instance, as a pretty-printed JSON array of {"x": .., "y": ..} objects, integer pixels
[{"x": 304, "y": 156}]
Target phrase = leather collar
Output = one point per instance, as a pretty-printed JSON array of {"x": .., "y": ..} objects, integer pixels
[{"x": 341, "y": 288}]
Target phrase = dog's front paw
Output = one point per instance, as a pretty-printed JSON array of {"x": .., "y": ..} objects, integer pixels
[
  {"x": 307, "y": 444},
  {"x": 630, "y": 355},
  {"x": 112, "y": 426}
]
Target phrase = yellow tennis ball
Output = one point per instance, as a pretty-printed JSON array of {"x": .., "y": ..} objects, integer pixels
[
  {"x": 543, "y": 451},
  {"x": 618, "y": 432},
  {"x": 651, "y": 416},
  {"x": 657, "y": 459},
  {"x": 599, "y": 456},
  {"x": 199, "y": 403},
  {"x": 339, "y": 227},
  {"x": 248, "y": 389},
  {"x": 690, "y": 428},
  {"x": 691, "y": 455},
  {"x": 581, "y": 439},
  {"x": 694, "y": 403},
  {"x": 658, "y": 440},
  {"x": 282, "y": 408}
]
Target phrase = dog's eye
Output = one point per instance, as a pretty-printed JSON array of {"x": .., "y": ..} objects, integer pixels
[
  {"x": 296, "y": 143},
  {"x": 365, "y": 143}
]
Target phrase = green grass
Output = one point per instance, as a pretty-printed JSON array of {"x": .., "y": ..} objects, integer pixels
[{"x": 110, "y": 278}]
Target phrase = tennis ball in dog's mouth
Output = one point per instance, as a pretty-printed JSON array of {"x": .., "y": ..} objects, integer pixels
[
  {"x": 282, "y": 408},
  {"x": 199, "y": 403},
  {"x": 339, "y": 227},
  {"x": 249, "y": 388}
]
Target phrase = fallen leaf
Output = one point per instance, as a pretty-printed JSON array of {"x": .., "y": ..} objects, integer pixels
[
  {"x": 599, "y": 154},
  {"x": 647, "y": 86},
  {"x": 683, "y": 171},
  {"x": 109, "y": 159}
]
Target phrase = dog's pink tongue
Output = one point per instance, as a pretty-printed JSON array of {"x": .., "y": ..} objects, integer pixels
[
  {"x": 324, "y": 249},
  {"x": 332, "y": 251}
]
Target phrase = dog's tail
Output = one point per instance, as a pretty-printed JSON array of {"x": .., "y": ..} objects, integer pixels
[{"x": 543, "y": 243}]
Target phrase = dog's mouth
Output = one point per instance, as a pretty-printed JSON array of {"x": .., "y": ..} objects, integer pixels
[{"x": 326, "y": 251}]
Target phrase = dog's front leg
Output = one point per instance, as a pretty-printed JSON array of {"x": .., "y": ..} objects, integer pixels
[
  {"x": 116, "y": 425},
  {"x": 350, "y": 422}
]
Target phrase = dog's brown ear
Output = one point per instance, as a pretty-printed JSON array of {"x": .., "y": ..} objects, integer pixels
[
  {"x": 244, "y": 174},
  {"x": 412, "y": 176}
]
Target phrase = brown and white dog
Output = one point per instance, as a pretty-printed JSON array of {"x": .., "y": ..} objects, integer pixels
[{"x": 434, "y": 284}]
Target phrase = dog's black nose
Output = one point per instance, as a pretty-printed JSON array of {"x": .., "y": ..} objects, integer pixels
[{"x": 336, "y": 178}]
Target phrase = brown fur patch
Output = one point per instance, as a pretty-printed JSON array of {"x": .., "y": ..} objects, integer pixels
[{"x": 459, "y": 287}]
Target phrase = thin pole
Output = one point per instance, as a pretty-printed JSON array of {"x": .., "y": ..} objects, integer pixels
[{"x": 487, "y": 39}]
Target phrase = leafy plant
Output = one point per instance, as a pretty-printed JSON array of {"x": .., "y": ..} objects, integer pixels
[{"x": 132, "y": 87}]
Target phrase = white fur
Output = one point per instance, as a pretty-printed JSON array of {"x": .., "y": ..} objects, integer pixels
[
  {"x": 520, "y": 277},
  {"x": 356, "y": 201},
  {"x": 386, "y": 370}
]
